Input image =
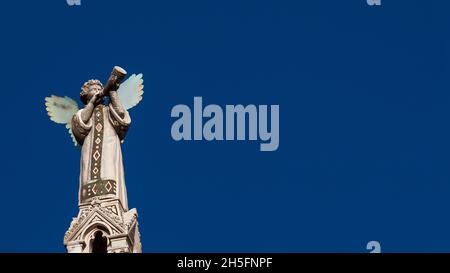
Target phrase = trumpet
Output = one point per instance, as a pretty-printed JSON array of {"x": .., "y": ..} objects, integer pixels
[{"x": 114, "y": 81}]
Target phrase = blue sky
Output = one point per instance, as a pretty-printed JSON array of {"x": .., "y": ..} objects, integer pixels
[{"x": 364, "y": 108}]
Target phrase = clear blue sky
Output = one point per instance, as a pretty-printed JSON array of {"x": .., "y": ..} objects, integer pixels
[{"x": 364, "y": 122}]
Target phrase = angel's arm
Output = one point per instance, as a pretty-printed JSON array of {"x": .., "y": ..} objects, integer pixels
[
  {"x": 116, "y": 104},
  {"x": 80, "y": 128},
  {"x": 121, "y": 124},
  {"x": 87, "y": 111}
]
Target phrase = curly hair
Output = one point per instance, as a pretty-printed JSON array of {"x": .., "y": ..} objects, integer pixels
[{"x": 85, "y": 89}]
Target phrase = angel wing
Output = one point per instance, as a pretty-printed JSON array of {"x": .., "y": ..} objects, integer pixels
[
  {"x": 130, "y": 91},
  {"x": 61, "y": 111}
]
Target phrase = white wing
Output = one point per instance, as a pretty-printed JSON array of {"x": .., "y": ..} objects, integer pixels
[
  {"x": 69, "y": 127},
  {"x": 130, "y": 91},
  {"x": 61, "y": 110}
]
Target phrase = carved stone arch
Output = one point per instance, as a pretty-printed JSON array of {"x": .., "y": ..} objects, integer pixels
[
  {"x": 95, "y": 232},
  {"x": 96, "y": 225}
]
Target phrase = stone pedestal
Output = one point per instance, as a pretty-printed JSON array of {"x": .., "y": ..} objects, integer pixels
[{"x": 103, "y": 226}]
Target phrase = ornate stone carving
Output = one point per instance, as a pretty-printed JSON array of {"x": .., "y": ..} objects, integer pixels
[{"x": 100, "y": 129}]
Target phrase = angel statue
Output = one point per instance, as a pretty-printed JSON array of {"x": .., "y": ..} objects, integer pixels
[{"x": 99, "y": 129}]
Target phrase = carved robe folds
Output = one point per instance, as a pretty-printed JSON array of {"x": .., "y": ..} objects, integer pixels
[{"x": 101, "y": 167}]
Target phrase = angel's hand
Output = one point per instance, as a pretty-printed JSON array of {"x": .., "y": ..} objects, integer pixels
[{"x": 96, "y": 98}]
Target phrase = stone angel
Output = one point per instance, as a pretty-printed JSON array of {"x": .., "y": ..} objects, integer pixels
[{"x": 99, "y": 129}]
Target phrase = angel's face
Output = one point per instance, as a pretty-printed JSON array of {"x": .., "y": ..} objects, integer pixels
[{"x": 94, "y": 89}]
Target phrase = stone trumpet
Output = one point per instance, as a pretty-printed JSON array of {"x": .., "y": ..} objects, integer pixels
[{"x": 115, "y": 79}]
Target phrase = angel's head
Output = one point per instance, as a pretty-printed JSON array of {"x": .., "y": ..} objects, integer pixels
[{"x": 88, "y": 89}]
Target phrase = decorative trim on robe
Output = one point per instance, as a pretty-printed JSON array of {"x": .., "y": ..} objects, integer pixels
[{"x": 96, "y": 154}]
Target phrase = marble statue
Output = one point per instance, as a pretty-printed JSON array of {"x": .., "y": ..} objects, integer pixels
[{"x": 99, "y": 128}]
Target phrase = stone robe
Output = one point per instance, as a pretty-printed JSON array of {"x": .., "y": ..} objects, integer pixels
[{"x": 101, "y": 167}]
